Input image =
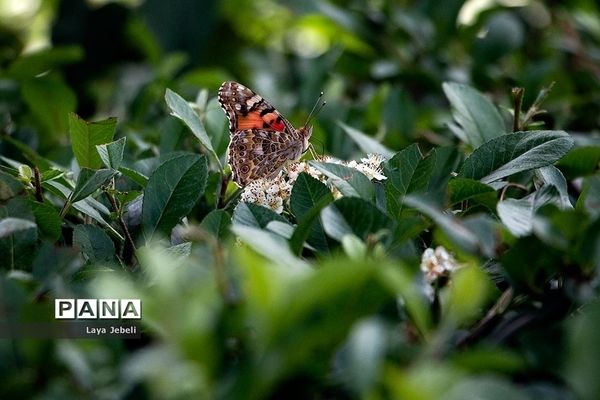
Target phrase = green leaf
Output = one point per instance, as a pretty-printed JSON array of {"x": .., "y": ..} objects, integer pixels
[
  {"x": 452, "y": 227},
  {"x": 254, "y": 215},
  {"x": 111, "y": 153},
  {"x": 47, "y": 219},
  {"x": 552, "y": 176},
  {"x": 364, "y": 354},
  {"x": 366, "y": 143},
  {"x": 580, "y": 161},
  {"x": 478, "y": 119},
  {"x": 172, "y": 190},
  {"x": 515, "y": 152},
  {"x": 50, "y": 101},
  {"x": 462, "y": 309},
  {"x": 463, "y": 189},
  {"x": 517, "y": 214},
  {"x": 34, "y": 64},
  {"x": 87, "y": 206},
  {"x": 589, "y": 200},
  {"x": 92, "y": 209},
  {"x": 407, "y": 172},
  {"x": 269, "y": 245},
  {"x": 351, "y": 215},
  {"x": 135, "y": 176},
  {"x": 349, "y": 181},
  {"x": 85, "y": 136},
  {"x": 9, "y": 186},
  {"x": 10, "y": 226},
  {"x": 583, "y": 359},
  {"x": 309, "y": 196},
  {"x": 217, "y": 222},
  {"x": 94, "y": 243},
  {"x": 217, "y": 126},
  {"x": 51, "y": 174},
  {"x": 18, "y": 236},
  {"x": 485, "y": 387},
  {"x": 182, "y": 110},
  {"x": 89, "y": 181}
]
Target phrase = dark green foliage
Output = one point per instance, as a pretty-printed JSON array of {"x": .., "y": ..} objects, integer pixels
[{"x": 114, "y": 184}]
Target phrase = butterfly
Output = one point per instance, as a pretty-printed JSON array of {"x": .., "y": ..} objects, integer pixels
[{"x": 262, "y": 140}]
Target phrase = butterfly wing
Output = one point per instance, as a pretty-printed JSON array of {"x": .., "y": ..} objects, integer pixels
[
  {"x": 247, "y": 110},
  {"x": 261, "y": 153}
]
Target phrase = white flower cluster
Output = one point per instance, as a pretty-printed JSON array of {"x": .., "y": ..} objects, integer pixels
[
  {"x": 273, "y": 193},
  {"x": 268, "y": 192},
  {"x": 437, "y": 263},
  {"x": 370, "y": 166}
]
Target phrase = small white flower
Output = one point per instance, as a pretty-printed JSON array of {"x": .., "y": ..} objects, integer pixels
[
  {"x": 370, "y": 166},
  {"x": 331, "y": 160},
  {"x": 437, "y": 263}
]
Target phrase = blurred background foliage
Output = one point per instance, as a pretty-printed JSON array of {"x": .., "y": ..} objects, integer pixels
[{"x": 226, "y": 322}]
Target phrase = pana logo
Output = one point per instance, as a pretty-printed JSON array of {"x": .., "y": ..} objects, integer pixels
[{"x": 97, "y": 309}]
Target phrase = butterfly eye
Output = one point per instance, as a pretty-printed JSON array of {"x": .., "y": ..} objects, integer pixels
[
  {"x": 245, "y": 169},
  {"x": 241, "y": 147}
]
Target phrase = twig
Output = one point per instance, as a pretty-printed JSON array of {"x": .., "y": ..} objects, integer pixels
[
  {"x": 38, "y": 185},
  {"x": 223, "y": 190},
  {"x": 535, "y": 108},
  {"x": 129, "y": 248},
  {"x": 511, "y": 184},
  {"x": 517, "y": 93}
]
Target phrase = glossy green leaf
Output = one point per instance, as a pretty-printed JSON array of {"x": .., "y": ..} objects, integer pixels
[
  {"x": 85, "y": 136},
  {"x": 478, "y": 119},
  {"x": 50, "y": 100},
  {"x": 580, "y": 161},
  {"x": 552, "y": 176},
  {"x": 94, "y": 243},
  {"x": 517, "y": 214},
  {"x": 452, "y": 227},
  {"x": 407, "y": 172},
  {"x": 269, "y": 245},
  {"x": 254, "y": 215},
  {"x": 18, "y": 234},
  {"x": 309, "y": 196},
  {"x": 89, "y": 181},
  {"x": 135, "y": 176},
  {"x": 9, "y": 186},
  {"x": 10, "y": 226},
  {"x": 475, "y": 192},
  {"x": 111, "y": 153},
  {"x": 516, "y": 152},
  {"x": 172, "y": 190},
  {"x": 182, "y": 110},
  {"x": 217, "y": 222},
  {"x": 589, "y": 200},
  {"x": 351, "y": 215},
  {"x": 366, "y": 143},
  {"x": 349, "y": 181},
  {"x": 47, "y": 219}
]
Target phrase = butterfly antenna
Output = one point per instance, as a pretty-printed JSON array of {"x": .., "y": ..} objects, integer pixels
[{"x": 317, "y": 107}]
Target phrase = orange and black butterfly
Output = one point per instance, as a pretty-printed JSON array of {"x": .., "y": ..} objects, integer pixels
[{"x": 262, "y": 140}]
